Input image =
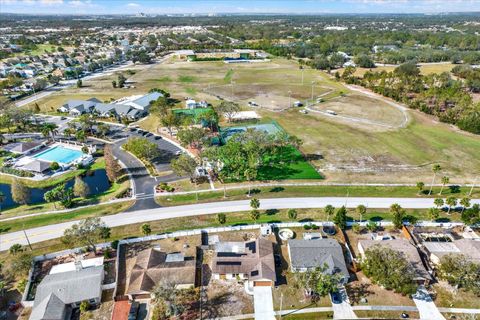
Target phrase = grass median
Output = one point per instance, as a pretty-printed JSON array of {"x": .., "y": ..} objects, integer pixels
[
  {"x": 53, "y": 218},
  {"x": 310, "y": 191}
]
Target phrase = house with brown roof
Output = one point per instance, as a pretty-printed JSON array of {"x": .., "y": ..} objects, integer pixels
[
  {"x": 251, "y": 260},
  {"x": 153, "y": 267},
  {"x": 402, "y": 245}
]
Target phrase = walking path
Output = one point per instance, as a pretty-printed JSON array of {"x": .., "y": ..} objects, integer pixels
[
  {"x": 363, "y": 308},
  {"x": 54, "y": 231}
]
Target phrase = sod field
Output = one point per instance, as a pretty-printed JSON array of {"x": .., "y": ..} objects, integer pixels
[{"x": 342, "y": 150}]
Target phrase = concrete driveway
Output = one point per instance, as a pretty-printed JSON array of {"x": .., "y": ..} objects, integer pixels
[
  {"x": 426, "y": 307},
  {"x": 343, "y": 310},
  {"x": 263, "y": 303}
]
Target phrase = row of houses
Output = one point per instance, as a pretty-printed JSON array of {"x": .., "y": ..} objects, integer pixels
[{"x": 133, "y": 107}]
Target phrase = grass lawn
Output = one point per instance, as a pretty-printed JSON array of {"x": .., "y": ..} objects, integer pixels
[
  {"x": 46, "y": 219},
  {"x": 342, "y": 152},
  {"x": 460, "y": 299},
  {"x": 288, "y": 164},
  {"x": 306, "y": 191}
]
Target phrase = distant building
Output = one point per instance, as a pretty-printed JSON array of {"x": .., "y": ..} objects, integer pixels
[
  {"x": 310, "y": 254},
  {"x": 251, "y": 260}
]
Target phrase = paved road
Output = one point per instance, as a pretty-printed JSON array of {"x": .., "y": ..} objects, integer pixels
[
  {"x": 137, "y": 216},
  {"x": 144, "y": 183}
]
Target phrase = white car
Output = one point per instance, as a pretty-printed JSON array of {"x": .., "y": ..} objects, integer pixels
[{"x": 333, "y": 113}]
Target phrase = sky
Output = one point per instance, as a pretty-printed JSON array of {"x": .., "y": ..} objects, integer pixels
[{"x": 235, "y": 6}]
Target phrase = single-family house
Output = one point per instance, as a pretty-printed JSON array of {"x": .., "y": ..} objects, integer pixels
[
  {"x": 402, "y": 245},
  {"x": 153, "y": 266},
  {"x": 251, "y": 260},
  {"x": 317, "y": 253},
  {"x": 143, "y": 102},
  {"x": 468, "y": 247},
  {"x": 58, "y": 293}
]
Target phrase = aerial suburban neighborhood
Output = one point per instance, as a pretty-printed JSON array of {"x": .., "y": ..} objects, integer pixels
[{"x": 239, "y": 159}]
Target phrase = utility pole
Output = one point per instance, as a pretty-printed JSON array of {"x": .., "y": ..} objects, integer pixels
[
  {"x": 473, "y": 185},
  {"x": 26, "y": 237}
]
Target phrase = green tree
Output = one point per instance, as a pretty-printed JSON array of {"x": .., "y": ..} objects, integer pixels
[
  {"x": 222, "y": 218},
  {"x": 372, "y": 226},
  {"x": 54, "y": 166},
  {"x": 319, "y": 282},
  {"x": 228, "y": 109},
  {"x": 184, "y": 165},
  {"x": 356, "y": 228},
  {"x": 170, "y": 121},
  {"x": 361, "y": 210},
  {"x": 458, "y": 271},
  {"x": 398, "y": 214},
  {"x": 340, "y": 218},
  {"x": 15, "y": 248},
  {"x": 451, "y": 202},
  {"x": 465, "y": 203},
  {"x": 49, "y": 130},
  {"x": 146, "y": 229},
  {"x": 435, "y": 169},
  {"x": 292, "y": 214},
  {"x": 192, "y": 137},
  {"x": 87, "y": 232},
  {"x": 329, "y": 210},
  {"x": 80, "y": 188},
  {"x": 254, "y": 215},
  {"x": 79, "y": 83},
  {"x": 439, "y": 202},
  {"x": 420, "y": 187},
  {"x": 20, "y": 192},
  {"x": 389, "y": 268},
  {"x": 142, "y": 148},
  {"x": 254, "y": 203},
  {"x": 445, "y": 181},
  {"x": 114, "y": 84},
  {"x": 433, "y": 214},
  {"x": 84, "y": 306}
]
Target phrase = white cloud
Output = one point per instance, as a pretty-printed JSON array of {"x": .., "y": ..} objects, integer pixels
[
  {"x": 50, "y": 2},
  {"x": 133, "y": 4}
]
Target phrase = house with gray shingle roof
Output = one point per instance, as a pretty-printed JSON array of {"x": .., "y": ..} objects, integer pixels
[
  {"x": 70, "y": 288},
  {"x": 24, "y": 147},
  {"x": 317, "y": 253}
]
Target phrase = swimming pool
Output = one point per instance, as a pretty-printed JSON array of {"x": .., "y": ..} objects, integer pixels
[{"x": 59, "y": 154}]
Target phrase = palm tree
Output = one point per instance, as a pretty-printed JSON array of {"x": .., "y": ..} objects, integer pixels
[
  {"x": 433, "y": 214},
  {"x": 445, "y": 181},
  {"x": 49, "y": 129},
  {"x": 420, "y": 187},
  {"x": 439, "y": 202},
  {"x": 465, "y": 203},
  {"x": 361, "y": 210},
  {"x": 435, "y": 168},
  {"x": 329, "y": 210},
  {"x": 451, "y": 202}
]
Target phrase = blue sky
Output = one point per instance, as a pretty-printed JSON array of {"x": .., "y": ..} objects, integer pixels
[{"x": 235, "y": 6}]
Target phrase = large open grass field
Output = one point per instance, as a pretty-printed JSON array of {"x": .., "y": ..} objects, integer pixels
[{"x": 344, "y": 151}]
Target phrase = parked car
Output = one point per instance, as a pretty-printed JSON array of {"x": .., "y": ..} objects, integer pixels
[
  {"x": 333, "y": 113},
  {"x": 133, "y": 313},
  {"x": 336, "y": 298}
]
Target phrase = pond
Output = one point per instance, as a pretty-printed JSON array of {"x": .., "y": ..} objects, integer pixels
[{"x": 96, "y": 180}]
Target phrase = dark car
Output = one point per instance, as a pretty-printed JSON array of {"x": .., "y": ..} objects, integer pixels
[
  {"x": 133, "y": 313},
  {"x": 149, "y": 134},
  {"x": 336, "y": 298},
  {"x": 158, "y": 137}
]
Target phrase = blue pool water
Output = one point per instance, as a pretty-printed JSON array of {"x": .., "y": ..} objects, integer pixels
[{"x": 59, "y": 154}]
